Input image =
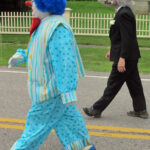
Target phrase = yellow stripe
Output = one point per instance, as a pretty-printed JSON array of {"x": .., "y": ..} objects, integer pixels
[
  {"x": 12, "y": 120},
  {"x": 17, "y": 127},
  {"x": 8, "y": 126},
  {"x": 120, "y": 129},
  {"x": 118, "y": 135},
  {"x": 111, "y": 135},
  {"x": 93, "y": 127}
]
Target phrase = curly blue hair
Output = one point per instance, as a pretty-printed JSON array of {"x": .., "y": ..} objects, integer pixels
[{"x": 56, "y": 7}]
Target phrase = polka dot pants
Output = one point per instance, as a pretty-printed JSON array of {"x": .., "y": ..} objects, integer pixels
[{"x": 66, "y": 120}]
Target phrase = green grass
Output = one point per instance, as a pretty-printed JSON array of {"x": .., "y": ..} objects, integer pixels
[
  {"x": 6, "y": 51},
  {"x": 144, "y": 42},
  {"x": 93, "y": 58},
  {"x": 105, "y": 41},
  {"x": 88, "y": 40},
  {"x": 14, "y": 38},
  {"x": 88, "y": 7},
  {"x": 94, "y": 40},
  {"x": 144, "y": 63}
]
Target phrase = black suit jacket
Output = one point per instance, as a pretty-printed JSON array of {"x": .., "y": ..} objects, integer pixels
[{"x": 123, "y": 36}]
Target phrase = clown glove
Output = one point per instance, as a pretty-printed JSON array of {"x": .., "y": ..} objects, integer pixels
[{"x": 13, "y": 60}]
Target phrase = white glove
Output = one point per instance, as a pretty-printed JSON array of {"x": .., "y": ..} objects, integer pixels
[{"x": 13, "y": 60}]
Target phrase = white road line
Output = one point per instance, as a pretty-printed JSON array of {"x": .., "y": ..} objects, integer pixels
[
  {"x": 106, "y": 77},
  {"x": 5, "y": 71},
  {"x": 87, "y": 76},
  {"x": 101, "y": 77}
]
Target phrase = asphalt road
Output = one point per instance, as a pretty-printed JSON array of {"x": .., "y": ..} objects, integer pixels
[{"x": 114, "y": 131}]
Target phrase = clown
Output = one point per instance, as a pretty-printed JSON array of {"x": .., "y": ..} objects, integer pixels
[{"x": 54, "y": 67}]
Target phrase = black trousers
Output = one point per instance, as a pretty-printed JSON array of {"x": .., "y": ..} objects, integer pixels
[{"x": 115, "y": 82}]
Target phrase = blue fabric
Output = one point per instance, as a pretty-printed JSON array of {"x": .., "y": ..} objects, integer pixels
[
  {"x": 54, "y": 66},
  {"x": 23, "y": 53},
  {"x": 93, "y": 147},
  {"x": 20, "y": 56},
  {"x": 54, "y": 63},
  {"x": 67, "y": 121},
  {"x": 63, "y": 60}
]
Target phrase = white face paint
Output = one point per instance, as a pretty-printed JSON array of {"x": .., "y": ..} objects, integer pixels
[{"x": 37, "y": 13}]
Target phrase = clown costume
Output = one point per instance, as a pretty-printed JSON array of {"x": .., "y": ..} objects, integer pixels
[{"x": 54, "y": 66}]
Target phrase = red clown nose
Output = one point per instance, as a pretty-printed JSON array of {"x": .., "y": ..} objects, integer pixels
[{"x": 28, "y": 3}]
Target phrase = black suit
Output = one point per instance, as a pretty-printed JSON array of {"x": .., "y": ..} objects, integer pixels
[
  {"x": 123, "y": 36},
  {"x": 124, "y": 44}
]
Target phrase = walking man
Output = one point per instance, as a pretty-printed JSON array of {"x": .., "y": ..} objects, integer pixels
[{"x": 124, "y": 53}]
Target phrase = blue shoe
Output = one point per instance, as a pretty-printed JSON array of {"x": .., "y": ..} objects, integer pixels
[{"x": 90, "y": 147}]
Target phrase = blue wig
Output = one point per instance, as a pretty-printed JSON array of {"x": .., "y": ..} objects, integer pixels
[{"x": 56, "y": 7}]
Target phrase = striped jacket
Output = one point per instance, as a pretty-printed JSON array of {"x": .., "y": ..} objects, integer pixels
[{"x": 53, "y": 61}]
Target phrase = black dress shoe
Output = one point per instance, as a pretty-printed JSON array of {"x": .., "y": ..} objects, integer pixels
[
  {"x": 92, "y": 112},
  {"x": 141, "y": 114}
]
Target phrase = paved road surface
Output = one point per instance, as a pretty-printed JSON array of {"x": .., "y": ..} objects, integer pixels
[{"x": 114, "y": 131}]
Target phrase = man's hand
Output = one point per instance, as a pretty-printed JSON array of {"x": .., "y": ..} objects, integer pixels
[
  {"x": 108, "y": 55},
  {"x": 121, "y": 65}
]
